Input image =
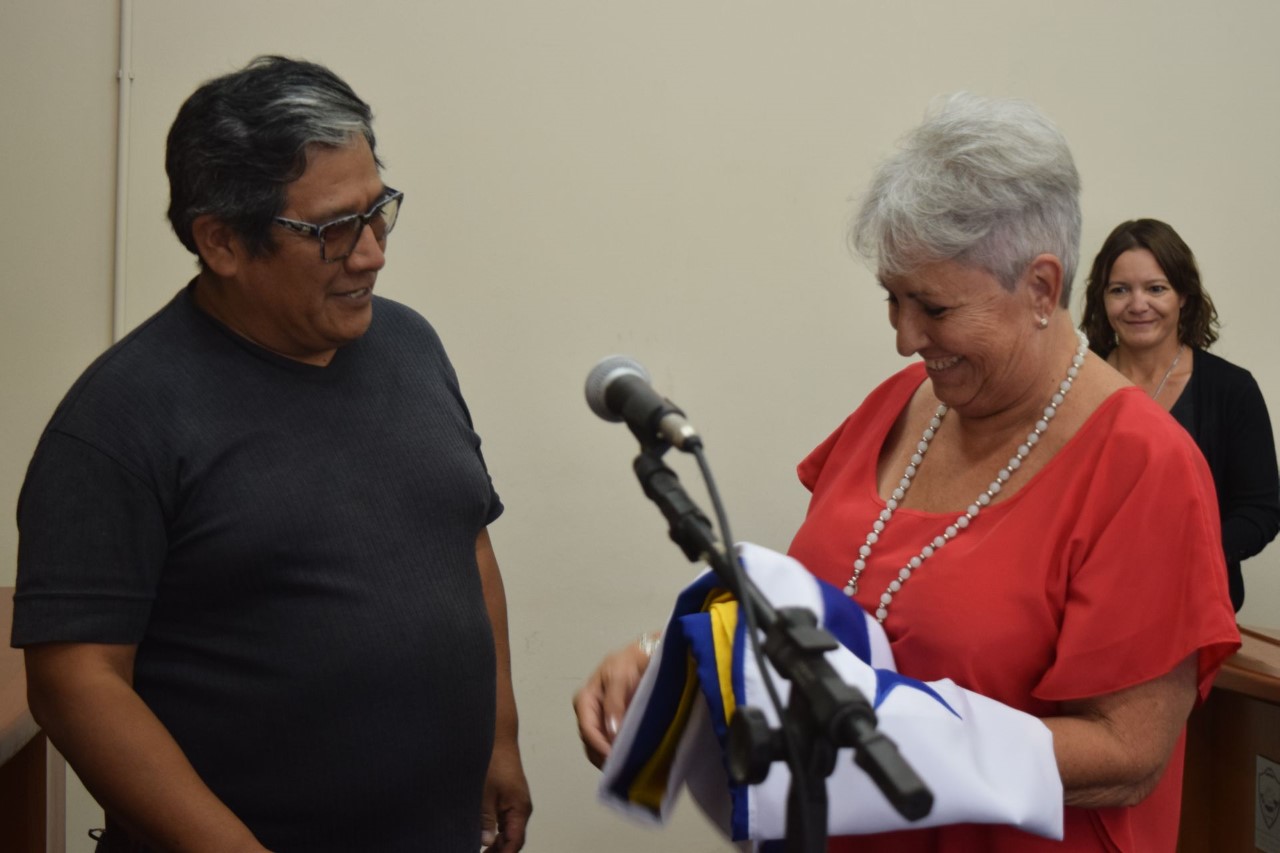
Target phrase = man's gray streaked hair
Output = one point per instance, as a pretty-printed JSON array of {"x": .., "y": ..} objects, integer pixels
[
  {"x": 241, "y": 139},
  {"x": 982, "y": 181}
]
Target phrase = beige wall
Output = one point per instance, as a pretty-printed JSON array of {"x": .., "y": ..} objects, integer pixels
[
  {"x": 57, "y": 161},
  {"x": 666, "y": 179}
]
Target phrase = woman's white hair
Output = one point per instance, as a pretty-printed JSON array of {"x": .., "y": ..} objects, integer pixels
[{"x": 982, "y": 181}]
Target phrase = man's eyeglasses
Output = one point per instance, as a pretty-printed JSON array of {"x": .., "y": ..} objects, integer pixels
[{"x": 338, "y": 237}]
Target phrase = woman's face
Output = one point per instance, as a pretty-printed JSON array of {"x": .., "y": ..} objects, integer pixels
[
  {"x": 1142, "y": 307},
  {"x": 973, "y": 334}
]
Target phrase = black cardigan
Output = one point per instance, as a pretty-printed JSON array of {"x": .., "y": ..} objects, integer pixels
[{"x": 1223, "y": 409}]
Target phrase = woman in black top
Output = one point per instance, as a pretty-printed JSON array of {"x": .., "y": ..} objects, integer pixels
[{"x": 1147, "y": 313}]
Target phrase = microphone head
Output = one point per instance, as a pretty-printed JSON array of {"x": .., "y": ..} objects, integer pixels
[{"x": 603, "y": 375}]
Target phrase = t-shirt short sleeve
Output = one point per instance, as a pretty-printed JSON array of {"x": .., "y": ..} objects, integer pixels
[{"x": 91, "y": 548}]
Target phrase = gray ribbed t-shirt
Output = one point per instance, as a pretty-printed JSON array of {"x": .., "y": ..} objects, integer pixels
[{"x": 293, "y": 550}]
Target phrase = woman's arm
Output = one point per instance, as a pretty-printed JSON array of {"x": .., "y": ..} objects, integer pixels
[
  {"x": 1113, "y": 749},
  {"x": 1250, "y": 486},
  {"x": 603, "y": 700}
]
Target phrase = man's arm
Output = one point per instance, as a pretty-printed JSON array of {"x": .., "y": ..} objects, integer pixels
[
  {"x": 506, "y": 805},
  {"x": 82, "y": 695}
]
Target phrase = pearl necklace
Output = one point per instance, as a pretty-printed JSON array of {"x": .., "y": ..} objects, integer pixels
[{"x": 962, "y": 522}]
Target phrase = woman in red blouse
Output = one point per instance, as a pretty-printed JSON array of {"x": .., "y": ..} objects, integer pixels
[{"x": 1020, "y": 518}]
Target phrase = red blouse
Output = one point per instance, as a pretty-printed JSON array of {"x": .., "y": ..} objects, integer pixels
[{"x": 1104, "y": 570}]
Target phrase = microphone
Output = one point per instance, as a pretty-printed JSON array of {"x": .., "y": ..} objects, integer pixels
[{"x": 619, "y": 389}]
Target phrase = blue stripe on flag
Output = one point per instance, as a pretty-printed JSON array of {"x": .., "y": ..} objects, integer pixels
[
  {"x": 667, "y": 692},
  {"x": 739, "y": 794},
  {"x": 846, "y": 620},
  {"x": 887, "y": 680}
]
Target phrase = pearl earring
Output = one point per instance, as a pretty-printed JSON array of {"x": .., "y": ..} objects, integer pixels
[{"x": 1044, "y": 322}]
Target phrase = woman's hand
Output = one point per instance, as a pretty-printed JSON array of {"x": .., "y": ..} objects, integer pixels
[{"x": 603, "y": 700}]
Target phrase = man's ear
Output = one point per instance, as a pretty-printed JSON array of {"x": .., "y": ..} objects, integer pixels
[
  {"x": 1044, "y": 278},
  {"x": 219, "y": 247}
]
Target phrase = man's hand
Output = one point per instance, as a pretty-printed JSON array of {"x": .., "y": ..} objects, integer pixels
[{"x": 506, "y": 804}]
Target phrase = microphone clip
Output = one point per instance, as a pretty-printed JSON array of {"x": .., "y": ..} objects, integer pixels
[{"x": 687, "y": 526}]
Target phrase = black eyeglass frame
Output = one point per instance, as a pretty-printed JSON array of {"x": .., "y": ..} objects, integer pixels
[{"x": 310, "y": 229}]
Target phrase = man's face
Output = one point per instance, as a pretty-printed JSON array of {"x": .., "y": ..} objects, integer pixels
[{"x": 300, "y": 306}]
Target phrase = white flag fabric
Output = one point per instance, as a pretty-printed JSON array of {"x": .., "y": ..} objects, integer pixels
[{"x": 984, "y": 761}]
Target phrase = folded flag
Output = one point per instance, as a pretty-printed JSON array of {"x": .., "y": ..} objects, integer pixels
[{"x": 984, "y": 761}]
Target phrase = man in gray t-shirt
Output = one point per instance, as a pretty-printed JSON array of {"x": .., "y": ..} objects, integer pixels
[{"x": 256, "y": 591}]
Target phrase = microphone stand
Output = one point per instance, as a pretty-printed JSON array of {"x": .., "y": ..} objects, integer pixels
[{"x": 823, "y": 713}]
